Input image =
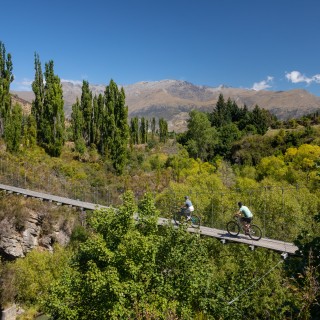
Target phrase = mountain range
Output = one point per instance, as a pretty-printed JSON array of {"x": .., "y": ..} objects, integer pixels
[{"x": 173, "y": 99}]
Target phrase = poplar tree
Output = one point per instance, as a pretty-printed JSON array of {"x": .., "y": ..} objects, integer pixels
[
  {"x": 143, "y": 130},
  {"x": 53, "y": 115},
  {"x": 13, "y": 129},
  {"x": 77, "y": 127},
  {"x": 109, "y": 123},
  {"x": 102, "y": 121},
  {"x": 134, "y": 130},
  {"x": 97, "y": 118},
  {"x": 153, "y": 127},
  {"x": 99, "y": 114},
  {"x": 122, "y": 133},
  {"x": 37, "y": 108},
  {"x": 6, "y": 77},
  {"x": 116, "y": 126},
  {"x": 30, "y": 131},
  {"x": 87, "y": 112},
  {"x": 163, "y": 130},
  {"x": 147, "y": 130}
]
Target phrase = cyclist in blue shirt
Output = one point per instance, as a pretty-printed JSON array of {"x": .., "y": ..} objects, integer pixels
[{"x": 247, "y": 216}]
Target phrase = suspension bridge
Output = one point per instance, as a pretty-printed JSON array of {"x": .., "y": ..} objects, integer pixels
[{"x": 282, "y": 247}]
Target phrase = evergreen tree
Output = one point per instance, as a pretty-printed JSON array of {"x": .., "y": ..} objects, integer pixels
[
  {"x": 219, "y": 113},
  {"x": 260, "y": 119},
  {"x": 244, "y": 118}
]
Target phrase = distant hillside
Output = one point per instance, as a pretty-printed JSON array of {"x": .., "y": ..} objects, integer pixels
[{"x": 173, "y": 99}]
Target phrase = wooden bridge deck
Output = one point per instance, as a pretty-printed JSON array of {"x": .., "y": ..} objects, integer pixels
[
  {"x": 51, "y": 198},
  {"x": 280, "y": 246}
]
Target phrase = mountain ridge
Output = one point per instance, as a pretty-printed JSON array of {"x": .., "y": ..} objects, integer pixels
[{"x": 174, "y": 99}]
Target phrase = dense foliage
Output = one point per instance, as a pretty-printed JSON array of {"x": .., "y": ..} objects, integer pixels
[{"x": 126, "y": 268}]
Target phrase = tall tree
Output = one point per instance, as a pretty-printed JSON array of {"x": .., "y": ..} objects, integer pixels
[
  {"x": 30, "y": 131},
  {"x": 98, "y": 111},
  {"x": 37, "y": 108},
  {"x": 163, "y": 130},
  {"x": 143, "y": 131},
  {"x": 116, "y": 129},
  {"x": 122, "y": 132},
  {"x": 134, "y": 130},
  {"x": 153, "y": 127},
  {"x": 87, "y": 112},
  {"x": 261, "y": 119},
  {"x": 54, "y": 126},
  {"x": 6, "y": 77},
  {"x": 13, "y": 129},
  {"x": 219, "y": 113},
  {"x": 77, "y": 127}
]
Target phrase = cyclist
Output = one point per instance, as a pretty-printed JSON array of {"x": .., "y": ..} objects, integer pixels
[
  {"x": 247, "y": 216},
  {"x": 187, "y": 208}
]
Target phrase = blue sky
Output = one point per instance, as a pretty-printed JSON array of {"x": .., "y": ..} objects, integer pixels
[{"x": 254, "y": 44}]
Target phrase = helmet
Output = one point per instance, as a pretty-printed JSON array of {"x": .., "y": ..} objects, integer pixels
[
  {"x": 240, "y": 204},
  {"x": 186, "y": 197}
]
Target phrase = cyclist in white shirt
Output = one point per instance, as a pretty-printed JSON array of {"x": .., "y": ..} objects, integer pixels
[{"x": 188, "y": 207}]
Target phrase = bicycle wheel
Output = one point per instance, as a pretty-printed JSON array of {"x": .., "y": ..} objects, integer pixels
[
  {"x": 255, "y": 232},
  {"x": 233, "y": 228},
  {"x": 177, "y": 218},
  {"x": 195, "y": 221}
]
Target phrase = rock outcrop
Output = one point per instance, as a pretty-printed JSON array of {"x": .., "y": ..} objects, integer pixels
[{"x": 39, "y": 229}]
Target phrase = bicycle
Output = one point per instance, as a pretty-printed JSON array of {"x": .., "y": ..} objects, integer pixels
[
  {"x": 235, "y": 226},
  {"x": 180, "y": 217}
]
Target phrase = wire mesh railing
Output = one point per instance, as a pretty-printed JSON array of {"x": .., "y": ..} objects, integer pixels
[{"x": 276, "y": 209}]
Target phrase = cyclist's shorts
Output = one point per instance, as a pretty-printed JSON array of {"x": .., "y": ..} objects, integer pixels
[{"x": 248, "y": 220}]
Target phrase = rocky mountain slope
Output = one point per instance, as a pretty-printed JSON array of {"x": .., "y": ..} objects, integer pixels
[{"x": 173, "y": 99}]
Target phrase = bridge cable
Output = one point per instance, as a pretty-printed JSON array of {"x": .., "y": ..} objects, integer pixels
[{"x": 235, "y": 299}]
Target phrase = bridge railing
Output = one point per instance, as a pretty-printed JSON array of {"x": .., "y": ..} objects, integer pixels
[
  {"x": 35, "y": 177},
  {"x": 271, "y": 205},
  {"x": 275, "y": 209}
]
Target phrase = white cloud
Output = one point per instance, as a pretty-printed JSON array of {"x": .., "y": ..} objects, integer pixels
[
  {"x": 262, "y": 85},
  {"x": 316, "y": 78},
  {"x": 297, "y": 77}
]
